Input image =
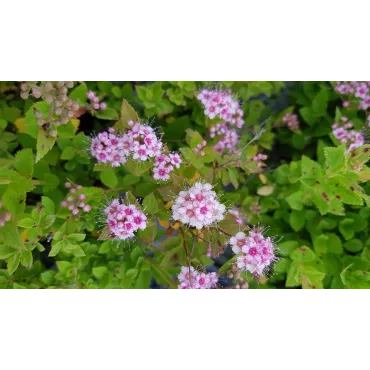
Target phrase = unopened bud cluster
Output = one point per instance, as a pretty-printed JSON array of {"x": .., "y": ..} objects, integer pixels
[
  {"x": 198, "y": 150},
  {"x": 291, "y": 121},
  {"x": 55, "y": 93},
  {"x": 5, "y": 216},
  {"x": 76, "y": 200},
  {"x": 95, "y": 103},
  {"x": 259, "y": 159}
]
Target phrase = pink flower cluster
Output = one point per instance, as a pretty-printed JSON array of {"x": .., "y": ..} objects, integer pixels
[
  {"x": 357, "y": 93},
  {"x": 291, "y": 121},
  {"x": 192, "y": 279},
  {"x": 199, "y": 148},
  {"x": 351, "y": 138},
  {"x": 75, "y": 201},
  {"x": 258, "y": 251},
  {"x": 141, "y": 143},
  {"x": 198, "y": 207},
  {"x": 259, "y": 158},
  {"x": 95, "y": 101},
  {"x": 123, "y": 220},
  {"x": 164, "y": 165},
  {"x": 229, "y": 139},
  {"x": 221, "y": 104}
]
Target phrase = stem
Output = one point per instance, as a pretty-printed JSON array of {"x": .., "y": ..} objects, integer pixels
[{"x": 186, "y": 249}]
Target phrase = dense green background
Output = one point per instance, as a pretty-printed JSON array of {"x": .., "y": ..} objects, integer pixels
[{"x": 323, "y": 244}]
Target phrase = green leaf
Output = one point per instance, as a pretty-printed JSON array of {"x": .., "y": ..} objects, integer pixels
[
  {"x": 308, "y": 115},
  {"x": 233, "y": 174},
  {"x": 137, "y": 168},
  {"x": 18, "y": 185},
  {"x": 353, "y": 245},
  {"x": 297, "y": 220},
  {"x": 320, "y": 102},
  {"x": 321, "y": 244},
  {"x": 46, "y": 220},
  {"x": 48, "y": 204},
  {"x": 56, "y": 247},
  {"x": 26, "y": 259},
  {"x": 108, "y": 113},
  {"x": 6, "y": 251},
  {"x": 79, "y": 94},
  {"x": 192, "y": 158},
  {"x": 26, "y": 223},
  {"x": 109, "y": 178},
  {"x": 100, "y": 271},
  {"x": 265, "y": 190},
  {"x": 150, "y": 203},
  {"x": 68, "y": 153},
  {"x": 127, "y": 114},
  {"x": 287, "y": 247},
  {"x": 131, "y": 274},
  {"x": 147, "y": 236},
  {"x": 303, "y": 254},
  {"x": 13, "y": 263},
  {"x": 44, "y": 143},
  {"x": 47, "y": 277},
  {"x": 130, "y": 180},
  {"x": 295, "y": 200},
  {"x": 143, "y": 280},
  {"x": 66, "y": 131},
  {"x": 335, "y": 159},
  {"x": 346, "y": 228},
  {"x": 74, "y": 238},
  {"x": 24, "y": 162},
  {"x": 334, "y": 244}
]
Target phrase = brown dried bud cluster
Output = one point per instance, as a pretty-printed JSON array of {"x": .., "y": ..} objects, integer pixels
[{"x": 62, "y": 108}]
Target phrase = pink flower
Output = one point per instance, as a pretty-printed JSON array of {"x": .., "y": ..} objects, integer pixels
[
  {"x": 221, "y": 104},
  {"x": 175, "y": 159},
  {"x": 198, "y": 207},
  {"x": 191, "y": 279},
  {"x": 123, "y": 221},
  {"x": 237, "y": 242},
  {"x": 258, "y": 252},
  {"x": 160, "y": 173}
]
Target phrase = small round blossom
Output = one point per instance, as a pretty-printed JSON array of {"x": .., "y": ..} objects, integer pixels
[
  {"x": 291, "y": 121},
  {"x": 192, "y": 279},
  {"x": 218, "y": 103},
  {"x": 198, "y": 207},
  {"x": 257, "y": 252},
  {"x": 123, "y": 220}
]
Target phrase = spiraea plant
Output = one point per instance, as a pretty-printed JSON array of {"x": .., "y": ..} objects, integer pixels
[{"x": 188, "y": 185}]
